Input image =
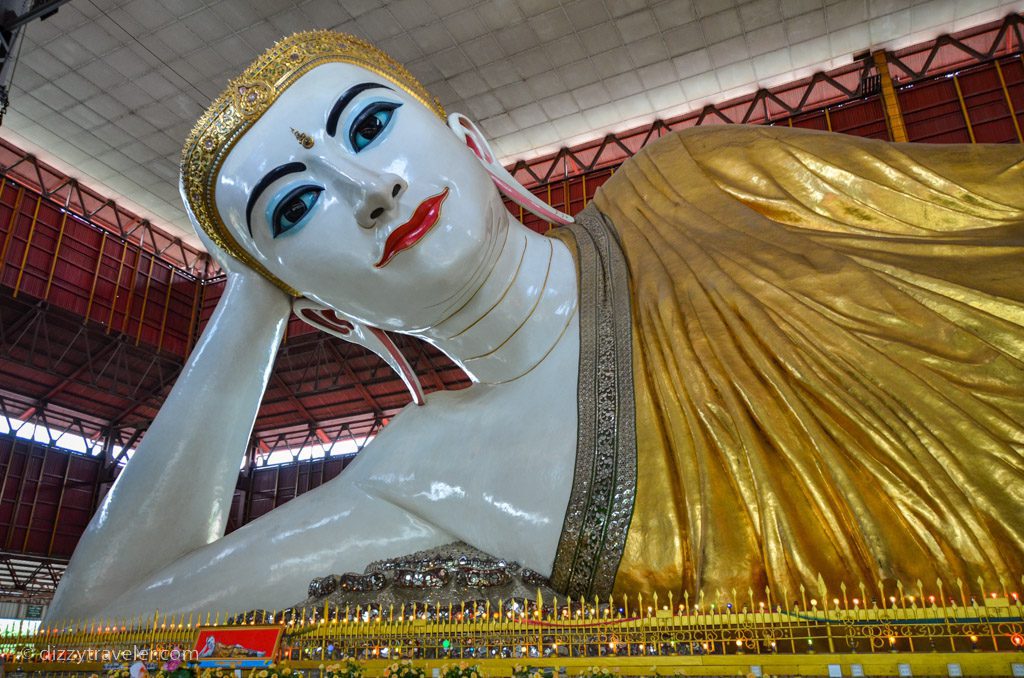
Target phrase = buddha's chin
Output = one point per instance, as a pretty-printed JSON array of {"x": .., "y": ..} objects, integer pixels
[{"x": 423, "y": 283}]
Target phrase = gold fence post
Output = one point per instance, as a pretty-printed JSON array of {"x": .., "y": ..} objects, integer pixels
[
  {"x": 945, "y": 615},
  {"x": 152, "y": 631},
  {"x": 568, "y": 622},
  {"x": 988, "y": 614},
  {"x": 642, "y": 628},
  {"x": 903, "y": 610},
  {"x": 540, "y": 618},
  {"x": 823, "y": 594}
]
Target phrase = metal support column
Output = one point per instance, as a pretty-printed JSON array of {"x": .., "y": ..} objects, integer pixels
[{"x": 893, "y": 114}]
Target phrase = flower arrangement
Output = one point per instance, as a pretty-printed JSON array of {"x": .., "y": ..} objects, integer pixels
[
  {"x": 460, "y": 670},
  {"x": 217, "y": 672},
  {"x": 348, "y": 669},
  {"x": 273, "y": 671},
  {"x": 119, "y": 673},
  {"x": 404, "y": 669},
  {"x": 520, "y": 671},
  {"x": 178, "y": 670},
  {"x": 175, "y": 668},
  {"x": 597, "y": 672}
]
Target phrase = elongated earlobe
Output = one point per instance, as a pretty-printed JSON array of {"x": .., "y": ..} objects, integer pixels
[
  {"x": 471, "y": 135},
  {"x": 373, "y": 338}
]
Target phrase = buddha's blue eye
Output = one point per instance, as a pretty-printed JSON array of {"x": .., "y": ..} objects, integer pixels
[
  {"x": 369, "y": 124},
  {"x": 292, "y": 210}
]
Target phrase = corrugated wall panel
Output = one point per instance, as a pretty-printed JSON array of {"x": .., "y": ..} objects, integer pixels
[
  {"x": 865, "y": 118},
  {"x": 274, "y": 485},
  {"x": 47, "y": 497},
  {"x": 1013, "y": 74},
  {"x": 972, "y": 102},
  {"x": 986, "y": 106},
  {"x": 817, "y": 120},
  {"x": 77, "y": 505},
  {"x": 932, "y": 113}
]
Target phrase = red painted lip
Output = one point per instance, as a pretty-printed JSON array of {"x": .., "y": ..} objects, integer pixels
[{"x": 410, "y": 233}]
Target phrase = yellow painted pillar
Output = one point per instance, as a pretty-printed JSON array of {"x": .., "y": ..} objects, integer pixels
[
  {"x": 1009, "y": 102},
  {"x": 963, "y": 109},
  {"x": 893, "y": 114}
]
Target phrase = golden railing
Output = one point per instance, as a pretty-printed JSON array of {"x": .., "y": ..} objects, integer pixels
[{"x": 800, "y": 633}]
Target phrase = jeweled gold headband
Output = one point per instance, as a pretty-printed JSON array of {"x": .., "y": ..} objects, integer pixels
[{"x": 248, "y": 97}]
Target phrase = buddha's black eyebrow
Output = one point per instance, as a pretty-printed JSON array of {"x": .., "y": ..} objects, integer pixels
[
  {"x": 269, "y": 178},
  {"x": 344, "y": 100}
]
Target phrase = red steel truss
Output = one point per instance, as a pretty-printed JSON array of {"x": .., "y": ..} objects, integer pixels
[
  {"x": 51, "y": 185},
  {"x": 822, "y": 101}
]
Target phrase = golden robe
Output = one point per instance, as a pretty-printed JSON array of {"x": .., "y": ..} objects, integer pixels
[{"x": 828, "y": 360}]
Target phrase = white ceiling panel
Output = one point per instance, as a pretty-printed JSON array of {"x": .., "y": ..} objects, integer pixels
[{"x": 107, "y": 89}]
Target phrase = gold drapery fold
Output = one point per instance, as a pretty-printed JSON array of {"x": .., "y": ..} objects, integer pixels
[{"x": 828, "y": 358}]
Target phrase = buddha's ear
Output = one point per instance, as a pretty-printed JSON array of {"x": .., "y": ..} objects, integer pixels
[
  {"x": 367, "y": 336},
  {"x": 467, "y": 131}
]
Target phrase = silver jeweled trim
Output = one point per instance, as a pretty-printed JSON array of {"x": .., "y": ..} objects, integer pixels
[
  {"x": 449, "y": 574},
  {"x": 604, "y": 481}
]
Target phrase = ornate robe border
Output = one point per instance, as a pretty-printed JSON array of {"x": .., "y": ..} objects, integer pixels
[{"x": 604, "y": 481}]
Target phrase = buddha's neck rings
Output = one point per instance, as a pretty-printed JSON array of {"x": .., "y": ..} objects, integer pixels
[{"x": 515, "y": 309}]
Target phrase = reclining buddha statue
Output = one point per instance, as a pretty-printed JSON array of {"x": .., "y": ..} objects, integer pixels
[{"x": 760, "y": 356}]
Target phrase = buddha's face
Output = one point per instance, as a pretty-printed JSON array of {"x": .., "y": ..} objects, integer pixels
[{"x": 387, "y": 217}]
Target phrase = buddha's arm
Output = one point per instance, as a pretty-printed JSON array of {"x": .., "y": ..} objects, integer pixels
[
  {"x": 335, "y": 528},
  {"x": 175, "y": 494}
]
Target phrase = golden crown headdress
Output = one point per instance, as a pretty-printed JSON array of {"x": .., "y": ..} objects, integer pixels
[{"x": 248, "y": 97}]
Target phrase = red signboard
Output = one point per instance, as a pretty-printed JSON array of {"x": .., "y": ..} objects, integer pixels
[{"x": 238, "y": 645}]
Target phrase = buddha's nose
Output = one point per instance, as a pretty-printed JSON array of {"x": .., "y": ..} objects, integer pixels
[{"x": 380, "y": 198}]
